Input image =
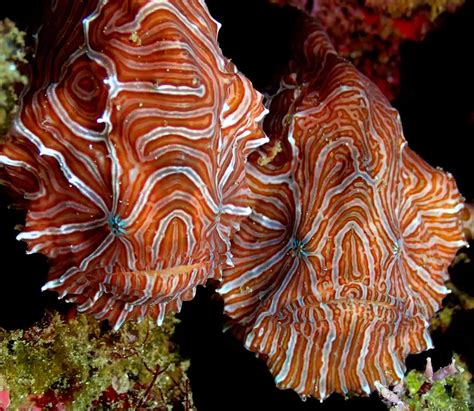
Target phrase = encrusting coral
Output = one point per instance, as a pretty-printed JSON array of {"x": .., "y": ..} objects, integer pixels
[
  {"x": 447, "y": 389},
  {"x": 400, "y": 8},
  {"x": 12, "y": 54},
  {"x": 369, "y": 33},
  {"x": 80, "y": 362}
]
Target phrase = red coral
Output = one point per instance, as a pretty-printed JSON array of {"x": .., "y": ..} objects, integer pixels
[
  {"x": 51, "y": 400},
  {"x": 370, "y": 35}
]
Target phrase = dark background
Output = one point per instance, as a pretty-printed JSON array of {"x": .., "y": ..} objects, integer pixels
[{"x": 436, "y": 104}]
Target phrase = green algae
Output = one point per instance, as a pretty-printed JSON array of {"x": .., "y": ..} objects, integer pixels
[
  {"x": 452, "y": 393},
  {"x": 75, "y": 362},
  {"x": 12, "y": 54}
]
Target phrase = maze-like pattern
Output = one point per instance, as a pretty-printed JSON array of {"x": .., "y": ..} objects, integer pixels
[
  {"x": 341, "y": 265},
  {"x": 129, "y": 149}
]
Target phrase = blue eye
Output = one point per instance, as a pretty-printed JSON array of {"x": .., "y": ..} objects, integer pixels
[
  {"x": 116, "y": 225},
  {"x": 299, "y": 248}
]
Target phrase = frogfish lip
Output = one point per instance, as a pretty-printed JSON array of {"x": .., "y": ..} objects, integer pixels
[
  {"x": 369, "y": 334},
  {"x": 355, "y": 297},
  {"x": 99, "y": 289}
]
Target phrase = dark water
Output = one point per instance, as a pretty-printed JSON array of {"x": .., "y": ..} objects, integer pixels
[{"x": 436, "y": 105}]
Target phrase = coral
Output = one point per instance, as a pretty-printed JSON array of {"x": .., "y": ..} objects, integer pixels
[
  {"x": 4, "y": 398},
  {"x": 12, "y": 55},
  {"x": 370, "y": 33},
  {"x": 400, "y": 8},
  {"x": 395, "y": 8},
  {"x": 448, "y": 389},
  {"x": 79, "y": 362}
]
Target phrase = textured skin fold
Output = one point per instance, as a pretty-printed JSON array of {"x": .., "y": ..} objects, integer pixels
[
  {"x": 342, "y": 263},
  {"x": 129, "y": 151}
]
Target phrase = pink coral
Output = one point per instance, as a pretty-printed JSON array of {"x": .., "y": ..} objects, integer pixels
[{"x": 4, "y": 399}]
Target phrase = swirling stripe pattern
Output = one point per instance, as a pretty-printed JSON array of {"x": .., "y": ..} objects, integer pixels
[
  {"x": 341, "y": 264},
  {"x": 129, "y": 151}
]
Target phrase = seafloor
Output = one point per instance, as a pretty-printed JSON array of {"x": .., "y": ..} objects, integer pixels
[{"x": 436, "y": 104}]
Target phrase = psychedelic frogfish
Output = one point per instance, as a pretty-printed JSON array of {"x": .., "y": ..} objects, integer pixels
[
  {"x": 128, "y": 153},
  {"x": 342, "y": 262}
]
